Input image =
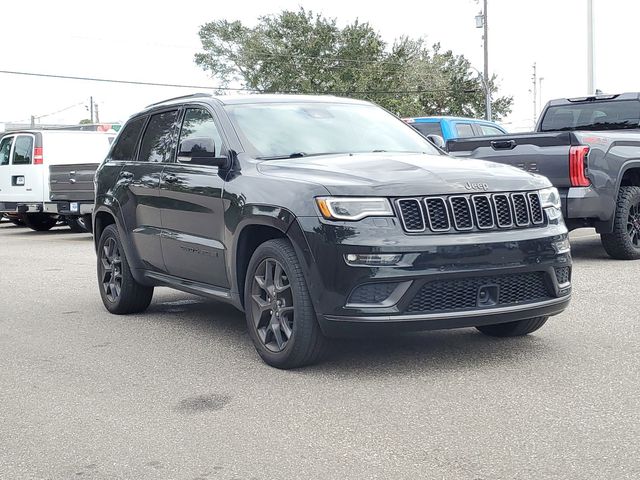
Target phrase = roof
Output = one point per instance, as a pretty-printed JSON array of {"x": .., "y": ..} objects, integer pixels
[
  {"x": 436, "y": 118},
  {"x": 595, "y": 98},
  {"x": 258, "y": 98}
]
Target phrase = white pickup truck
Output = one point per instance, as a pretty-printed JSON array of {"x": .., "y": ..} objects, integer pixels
[{"x": 47, "y": 175}]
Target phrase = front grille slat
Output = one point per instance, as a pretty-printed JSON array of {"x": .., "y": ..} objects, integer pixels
[
  {"x": 411, "y": 215},
  {"x": 464, "y": 213},
  {"x": 462, "y": 294}
]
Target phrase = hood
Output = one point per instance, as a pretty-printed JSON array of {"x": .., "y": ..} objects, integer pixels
[{"x": 403, "y": 174}]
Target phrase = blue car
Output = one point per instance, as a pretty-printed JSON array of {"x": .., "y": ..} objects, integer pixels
[{"x": 454, "y": 127}]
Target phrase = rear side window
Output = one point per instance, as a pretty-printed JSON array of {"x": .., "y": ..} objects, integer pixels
[
  {"x": 23, "y": 151},
  {"x": 464, "y": 130},
  {"x": 125, "y": 147},
  {"x": 5, "y": 150},
  {"x": 489, "y": 130},
  {"x": 158, "y": 141},
  {"x": 428, "y": 128}
]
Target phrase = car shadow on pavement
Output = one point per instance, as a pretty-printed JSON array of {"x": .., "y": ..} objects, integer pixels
[
  {"x": 588, "y": 248},
  {"x": 369, "y": 355}
]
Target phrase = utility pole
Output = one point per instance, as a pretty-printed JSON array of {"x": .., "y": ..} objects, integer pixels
[
  {"x": 91, "y": 108},
  {"x": 534, "y": 78},
  {"x": 481, "y": 22},
  {"x": 97, "y": 115},
  {"x": 33, "y": 121},
  {"x": 590, "y": 63},
  {"x": 486, "y": 64}
]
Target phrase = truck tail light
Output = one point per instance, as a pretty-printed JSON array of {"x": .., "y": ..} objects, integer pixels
[
  {"x": 578, "y": 165},
  {"x": 37, "y": 156}
]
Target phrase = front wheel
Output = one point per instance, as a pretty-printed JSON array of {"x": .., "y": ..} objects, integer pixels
[
  {"x": 40, "y": 222},
  {"x": 280, "y": 316},
  {"x": 120, "y": 292},
  {"x": 624, "y": 242},
  {"x": 514, "y": 329}
]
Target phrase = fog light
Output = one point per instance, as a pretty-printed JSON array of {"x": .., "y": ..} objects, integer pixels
[
  {"x": 372, "y": 259},
  {"x": 562, "y": 246}
]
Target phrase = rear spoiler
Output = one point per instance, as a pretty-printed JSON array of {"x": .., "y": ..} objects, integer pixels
[{"x": 509, "y": 142}]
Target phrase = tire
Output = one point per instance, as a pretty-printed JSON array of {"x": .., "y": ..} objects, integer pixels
[
  {"x": 282, "y": 323},
  {"x": 120, "y": 292},
  {"x": 40, "y": 222},
  {"x": 79, "y": 224},
  {"x": 624, "y": 242},
  {"x": 514, "y": 329}
]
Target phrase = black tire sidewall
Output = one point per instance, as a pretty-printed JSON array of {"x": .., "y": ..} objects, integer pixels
[
  {"x": 618, "y": 244},
  {"x": 304, "y": 324}
]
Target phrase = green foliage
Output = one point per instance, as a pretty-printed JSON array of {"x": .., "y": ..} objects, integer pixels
[
  {"x": 299, "y": 52},
  {"x": 84, "y": 121}
]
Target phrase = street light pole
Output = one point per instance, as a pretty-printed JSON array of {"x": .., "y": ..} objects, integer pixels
[
  {"x": 486, "y": 64},
  {"x": 590, "y": 66}
]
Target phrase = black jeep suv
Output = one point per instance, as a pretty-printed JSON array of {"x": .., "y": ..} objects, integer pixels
[{"x": 321, "y": 215}]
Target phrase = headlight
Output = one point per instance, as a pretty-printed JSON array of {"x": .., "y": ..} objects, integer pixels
[
  {"x": 353, "y": 208},
  {"x": 549, "y": 197}
]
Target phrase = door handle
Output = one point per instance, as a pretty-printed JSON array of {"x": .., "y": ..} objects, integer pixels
[
  {"x": 127, "y": 175},
  {"x": 170, "y": 178}
]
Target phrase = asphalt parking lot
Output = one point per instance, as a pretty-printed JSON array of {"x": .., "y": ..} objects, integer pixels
[{"x": 179, "y": 392}]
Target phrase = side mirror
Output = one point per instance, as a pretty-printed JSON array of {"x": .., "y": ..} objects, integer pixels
[
  {"x": 200, "y": 151},
  {"x": 437, "y": 140}
]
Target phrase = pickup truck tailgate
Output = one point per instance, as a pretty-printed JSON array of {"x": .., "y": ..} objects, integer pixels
[
  {"x": 72, "y": 182},
  {"x": 543, "y": 153}
]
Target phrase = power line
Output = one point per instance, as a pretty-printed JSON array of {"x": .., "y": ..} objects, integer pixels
[{"x": 239, "y": 89}]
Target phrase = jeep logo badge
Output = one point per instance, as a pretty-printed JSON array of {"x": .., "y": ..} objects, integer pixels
[{"x": 476, "y": 186}]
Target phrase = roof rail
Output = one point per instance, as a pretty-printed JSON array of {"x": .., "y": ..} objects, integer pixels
[{"x": 193, "y": 95}]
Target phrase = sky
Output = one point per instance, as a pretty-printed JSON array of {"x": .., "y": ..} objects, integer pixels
[{"x": 156, "y": 42}]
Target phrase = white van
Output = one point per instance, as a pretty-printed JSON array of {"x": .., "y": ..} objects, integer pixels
[{"x": 48, "y": 174}]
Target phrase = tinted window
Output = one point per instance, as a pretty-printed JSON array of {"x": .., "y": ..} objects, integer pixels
[
  {"x": 592, "y": 116},
  {"x": 282, "y": 129},
  {"x": 125, "y": 147},
  {"x": 489, "y": 130},
  {"x": 23, "y": 151},
  {"x": 158, "y": 141},
  {"x": 198, "y": 125},
  {"x": 5, "y": 150},
  {"x": 464, "y": 130},
  {"x": 428, "y": 128}
]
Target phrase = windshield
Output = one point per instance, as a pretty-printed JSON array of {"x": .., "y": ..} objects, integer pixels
[
  {"x": 281, "y": 130},
  {"x": 611, "y": 115}
]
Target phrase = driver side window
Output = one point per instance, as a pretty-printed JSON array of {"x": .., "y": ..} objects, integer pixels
[{"x": 198, "y": 124}]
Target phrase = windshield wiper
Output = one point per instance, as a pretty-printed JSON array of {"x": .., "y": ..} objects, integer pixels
[{"x": 298, "y": 155}]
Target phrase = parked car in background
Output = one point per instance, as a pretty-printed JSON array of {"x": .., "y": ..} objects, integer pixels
[
  {"x": 48, "y": 174},
  {"x": 589, "y": 147},
  {"x": 448, "y": 128},
  {"x": 319, "y": 216}
]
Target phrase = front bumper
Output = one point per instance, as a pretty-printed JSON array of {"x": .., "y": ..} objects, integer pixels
[{"x": 447, "y": 267}]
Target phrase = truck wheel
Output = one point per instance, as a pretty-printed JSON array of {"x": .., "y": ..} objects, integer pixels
[
  {"x": 624, "y": 242},
  {"x": 513, "y": 329},
  {"x": 120, "y": 292},
  {"x": 40, "y": 222},
  {"x": 80, "y": 224},
  {"x": 280, "y": 316}
]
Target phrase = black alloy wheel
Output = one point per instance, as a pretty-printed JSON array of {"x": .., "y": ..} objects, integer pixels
[
  {"x": 633, "y": 225},
  {"x": 111, "y": 272},
  {"x": 272, "y": 305}
]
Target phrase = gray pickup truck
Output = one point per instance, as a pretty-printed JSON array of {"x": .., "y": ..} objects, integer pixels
[{"x": 589, "y": 148}]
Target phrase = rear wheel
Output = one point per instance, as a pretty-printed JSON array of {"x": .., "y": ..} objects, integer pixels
[
  {"x": 514, "y": 329},
  {"x": 280, "y": 316},
  {"x": 120, "y": 292},
  {"x": 40, "y": 222},
  {"x": 80, "y": 224},
  {"x": 624, "y": 242}
]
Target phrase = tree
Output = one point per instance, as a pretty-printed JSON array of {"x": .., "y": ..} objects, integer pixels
[
  {"x": 85, "y": 121},
  {"x": 301, "y": 52}
]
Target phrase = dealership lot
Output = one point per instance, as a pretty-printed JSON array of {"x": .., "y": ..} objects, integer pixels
[{"x": 179, "y": 392}]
